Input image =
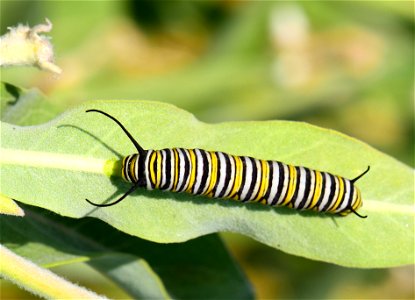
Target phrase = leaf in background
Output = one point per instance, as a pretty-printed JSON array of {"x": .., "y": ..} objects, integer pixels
[
  {"x": 69, "y": 155},
  {"x": 186, "y": 270},
  {"x": 24, "y": 106},
  {"x": 37, "y": 280}
]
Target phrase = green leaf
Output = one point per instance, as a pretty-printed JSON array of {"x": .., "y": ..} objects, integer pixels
[
  {"x": 9, "y": 207},
  {"x": 37, "y": 280},
  {"x": 24, "y": 106},
  {"x": 186, "y": 269},
  {"x": 71, "y": 155}
]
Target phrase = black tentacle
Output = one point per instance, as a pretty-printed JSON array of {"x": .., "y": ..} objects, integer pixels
[
  {"x": 358, "y": 177},
  {"x": 132, "y": 189},
  {"x": 357, "y": 214},
  {"x": 136, "y": 144}
]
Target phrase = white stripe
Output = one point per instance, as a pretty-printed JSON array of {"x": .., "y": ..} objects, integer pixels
[
  {"x": 286, "y": 175},
  {"x": 172, "y": 162},
  {"x": 274, "y": 183},
  {"x": 222, "y": 174},
  {"x": 206, "y": 183},
  {"x": 181, "y": 171},
  {"x": 233, "y": 177},
  {"x": 127, "y": 176},
  {"x": 136, "y": 167},
  {"x": 248, "y": 177},
  {"x": 199, "y": 169},
  {"x": 163, "y": 168},
  {"x": 301, "y": 187},
  {"x": 347, "y": 188},
  {"x": 312, "y": 187},
  {"x": 187, "y": 179},
  {"x": 147, "y": 169},
  {"x": 258, "y": 179},
  {"x": 326, "y": 188}
]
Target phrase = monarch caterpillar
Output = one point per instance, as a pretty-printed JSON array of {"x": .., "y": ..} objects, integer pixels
[{"x": 243, "y": 178}]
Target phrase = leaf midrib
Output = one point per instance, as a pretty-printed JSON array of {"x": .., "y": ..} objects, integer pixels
[{"x": 75, "y": 163}]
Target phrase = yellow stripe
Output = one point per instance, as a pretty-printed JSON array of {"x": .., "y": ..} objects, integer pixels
[
  {"x": 291, "y": 185},
  {"x": 159, "y": 161},
  {"x": 131, "y": 170},
  {"x": 238, "y": 178},
  {"x": 317, "y": 189},
  {"x": 213, "y": 177},
  {"x": 341, "y": 192},
  {"x": 176, "y": 169},
  {"x": 192, "y": 179},
  {"x": 358, "y": 201},
  {"x": 264, "y": 180},
  {"x": 123, "y": 169},
  {"x": 151, "y": 167}
]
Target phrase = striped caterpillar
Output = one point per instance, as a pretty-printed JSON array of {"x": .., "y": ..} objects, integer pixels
[{"x": 242, "y": 178}]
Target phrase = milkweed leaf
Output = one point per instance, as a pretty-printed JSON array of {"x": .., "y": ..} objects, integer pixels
[{"x": 73, "y": 157}]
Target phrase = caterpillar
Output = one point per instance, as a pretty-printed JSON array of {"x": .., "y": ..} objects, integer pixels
[{"x": 242, "y": 178}]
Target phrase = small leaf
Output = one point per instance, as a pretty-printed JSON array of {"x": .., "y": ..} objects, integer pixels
[
  {"x": 9, "y": 207},
  {"x": 70, "y": 156},
  {"x": 24, "y": 106},
  {"x": 143, "y": 269},
  {"x": 37, "y": 280}
]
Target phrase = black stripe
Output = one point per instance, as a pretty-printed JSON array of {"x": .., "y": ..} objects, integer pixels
[
  {"x": 141, "y": 169},
  {"x": 186, "y": 162},
  {"x": 187, "y": 169},
  {"x": 205, "y": 173},
  {"x": 306, "y": 189},
  {"x": 281, "y": 177},
  {"x": 297, "y": 185},
  {"x": 332, "y": 192},
  {"x": 351, "y": 194}
]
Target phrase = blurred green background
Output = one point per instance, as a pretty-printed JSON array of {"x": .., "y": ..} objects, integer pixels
[{"x": 344, "y": 65}]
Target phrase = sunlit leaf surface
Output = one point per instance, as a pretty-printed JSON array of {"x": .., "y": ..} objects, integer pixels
[{"x": 59, "y": 164}]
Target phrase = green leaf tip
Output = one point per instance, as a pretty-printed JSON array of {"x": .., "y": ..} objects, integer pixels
[{"x": 9, "y": 207}]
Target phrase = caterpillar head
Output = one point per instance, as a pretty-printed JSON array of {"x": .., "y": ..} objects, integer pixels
[
  {"x": 130, "y": 168},
  {"x": 356, "y": 202}
]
